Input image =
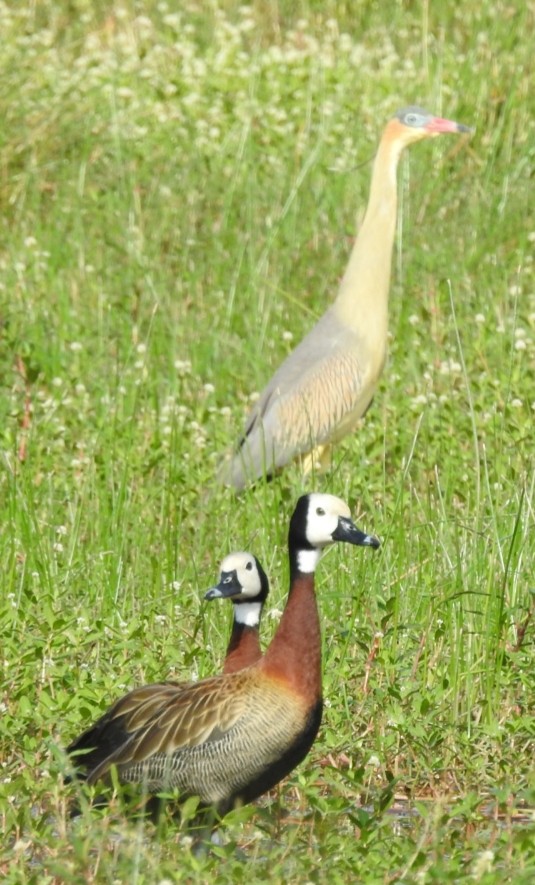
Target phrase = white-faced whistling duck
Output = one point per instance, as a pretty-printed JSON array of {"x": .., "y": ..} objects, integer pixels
[
  {"x": 242, "y": 580},
  {"x": 230, "y": 738}
]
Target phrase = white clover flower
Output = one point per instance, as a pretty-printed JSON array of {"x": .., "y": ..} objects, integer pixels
[
  {"x": 483, "y": 864},
  {"x": 143, "y": 22},
  {"x": 172, "y": 20}
]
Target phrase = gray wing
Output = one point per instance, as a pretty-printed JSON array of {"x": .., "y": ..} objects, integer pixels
[{"x": 315, "y": 397}]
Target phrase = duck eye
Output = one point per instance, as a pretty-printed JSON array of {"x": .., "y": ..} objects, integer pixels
[
  {"x": 249, "y": 566},
  {"x": 320, "y": 511}
]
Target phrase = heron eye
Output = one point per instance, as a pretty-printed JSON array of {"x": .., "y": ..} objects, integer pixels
[
  {"x": 411, "y": 119},
  {"x": 227, "y": 580},
  {"x": 249, "y": 566},
  {"x": 320, "y": 511}
]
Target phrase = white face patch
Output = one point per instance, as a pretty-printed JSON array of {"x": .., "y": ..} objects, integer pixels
[
  {"x": 307, "y": 560},
  {"x": 248, "y": 613},
  {"x": 323, "y": 514},
  {"x": 247, "y": 573}
]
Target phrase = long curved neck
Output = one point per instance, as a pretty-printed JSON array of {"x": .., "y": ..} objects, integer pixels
[
  {"x": 294, "y": 654},
  {"x": 243, "y": 648},
  {"x": 362, "y": 301}
]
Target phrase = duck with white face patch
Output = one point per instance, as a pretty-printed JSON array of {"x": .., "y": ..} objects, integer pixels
[
  {"x": 230, "y": 738},
  {"x": 242, "y": 580}
]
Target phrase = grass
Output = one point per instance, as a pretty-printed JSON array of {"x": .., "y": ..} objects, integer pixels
[{"x": 178, "y": 194}]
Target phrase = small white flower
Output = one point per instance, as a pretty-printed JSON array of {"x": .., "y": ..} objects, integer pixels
[
  {"x": 374, "y": 762},
  {"x": 483, "y": 864}
]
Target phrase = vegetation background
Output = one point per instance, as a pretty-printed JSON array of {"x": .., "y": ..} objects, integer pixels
[{"x": 178, "y": 186}]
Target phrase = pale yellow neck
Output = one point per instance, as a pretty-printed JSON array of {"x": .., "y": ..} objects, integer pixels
[{"x": 362, "y": 301}]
